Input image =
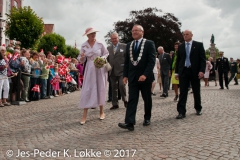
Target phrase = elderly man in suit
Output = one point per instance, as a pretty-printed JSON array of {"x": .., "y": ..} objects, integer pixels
[
  {"x": 190, "y": 67},
  {"x": 222, "y": 66},
  {"x": 165, "y": 63},
  {"x": 138, "y": 71},
  {"x": 116, "y": 58}
]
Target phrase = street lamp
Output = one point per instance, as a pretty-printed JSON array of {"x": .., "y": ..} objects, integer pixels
[{"x": 2, "y": 22}]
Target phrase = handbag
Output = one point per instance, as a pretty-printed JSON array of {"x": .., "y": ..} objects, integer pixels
[{"x": 108, "y": 66}]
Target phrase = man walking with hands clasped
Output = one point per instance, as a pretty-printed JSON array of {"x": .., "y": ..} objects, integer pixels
[
  {"x": 116, "y": 58},
  {"x": 138, "y": 71}
]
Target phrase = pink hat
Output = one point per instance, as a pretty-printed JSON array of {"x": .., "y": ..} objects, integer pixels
[{"x": 89, "y": 30}]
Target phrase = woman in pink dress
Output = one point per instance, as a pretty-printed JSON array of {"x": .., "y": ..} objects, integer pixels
[
  {"x": 207, "y": 71},
  {"x": 94, "y": 86}
]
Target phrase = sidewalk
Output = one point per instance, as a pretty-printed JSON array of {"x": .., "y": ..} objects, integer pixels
[{"x": 51, "y": 127}]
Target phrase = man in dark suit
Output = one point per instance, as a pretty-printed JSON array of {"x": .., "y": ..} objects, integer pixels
[
  {"x": 165, "y": 63},
  {"x": 222, "y": 66},
  {"x": 116, "y": 58},
  {"x": 138, "y": 71},
  {"x": 190, "y": 67},
  {"x": 234, "y": 71}
]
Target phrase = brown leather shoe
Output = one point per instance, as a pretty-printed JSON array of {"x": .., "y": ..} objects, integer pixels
[{"x": 114, "y": 107}]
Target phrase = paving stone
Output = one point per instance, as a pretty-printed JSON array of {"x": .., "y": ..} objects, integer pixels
[{"x": 54, "y": 124}]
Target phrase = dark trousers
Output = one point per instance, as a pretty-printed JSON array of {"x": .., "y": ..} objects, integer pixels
[
  {"x": 233, "y": 76},
  {"x": 110, "y": 91},
  {"x": 165, "y": 83},
  {"x": 118, "y": 86},
  {"x": 220, "y": 74},
  {"x": 184, "y": 80},
  {"x": 134, "y": 89}
]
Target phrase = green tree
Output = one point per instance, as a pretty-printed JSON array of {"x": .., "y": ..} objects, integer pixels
[
  {"x": 72, "y": 52},
  {"x": 49, "y": 41},
  {"x": 24, "y": 25},
  {"x": 163, "y": 29}
]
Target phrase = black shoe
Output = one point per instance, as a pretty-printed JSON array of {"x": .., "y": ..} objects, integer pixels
[
  {"x": 235, "y": 83},
  {"x": 227, "y": 87},
  {"x": 109, "y": 100},
  {"x": 198, "y": 113},
  {"x": 153, "y": 94},
  {"x": 176, "y": 97},
  {"x": 146, "y": 122},
  {"x": 128, "y": 126},
  {"x": 125, "y": 104},
  {"x": 114, "y": 107},
  {"x": 164, "y": 95},
  {"x": 180, "y": 116},
  {"x": 221, "y": 88}
]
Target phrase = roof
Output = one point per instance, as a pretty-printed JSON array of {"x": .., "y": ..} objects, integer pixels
[{"x": 48, "y": 28}]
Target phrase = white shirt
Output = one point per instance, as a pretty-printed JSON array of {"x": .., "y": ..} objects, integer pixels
[
  {"x": 190, "y": 46},
  {"x": 115, "y": 48}
]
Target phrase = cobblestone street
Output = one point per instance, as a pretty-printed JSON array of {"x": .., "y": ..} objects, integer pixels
[{"x": 53, "y": 125}]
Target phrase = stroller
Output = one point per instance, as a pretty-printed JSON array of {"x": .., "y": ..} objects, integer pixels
[{"x": 71, "y": 86}]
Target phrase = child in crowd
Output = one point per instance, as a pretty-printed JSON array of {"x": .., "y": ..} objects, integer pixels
[{"x": 55, "y": 84}]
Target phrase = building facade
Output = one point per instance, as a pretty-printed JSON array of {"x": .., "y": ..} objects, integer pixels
[{"x": 5, "y": 7}]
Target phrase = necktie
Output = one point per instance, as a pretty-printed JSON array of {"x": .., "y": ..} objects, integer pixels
[
  {"x": 188, "y": 64},
  {"x": 136, "y": 47},
  {"x": 114, "y": 49}
]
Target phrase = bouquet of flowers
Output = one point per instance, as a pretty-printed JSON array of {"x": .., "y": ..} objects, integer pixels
[{"x": 99, "y": 62}]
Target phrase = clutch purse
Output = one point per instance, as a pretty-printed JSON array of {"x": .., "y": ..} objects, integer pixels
[{"x": 108, "y": 66}]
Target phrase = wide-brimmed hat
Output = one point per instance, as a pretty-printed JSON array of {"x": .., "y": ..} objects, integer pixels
[{"x": 89, "y": 30}]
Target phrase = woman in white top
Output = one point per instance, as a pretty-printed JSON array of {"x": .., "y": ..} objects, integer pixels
[{"x": 155, "y": 72}]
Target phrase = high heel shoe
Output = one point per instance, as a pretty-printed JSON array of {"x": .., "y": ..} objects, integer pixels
[
  {"x": 82, "y": 122},
  {"x": 176, "y": 97},
  {"x": 102, "y": 117}
]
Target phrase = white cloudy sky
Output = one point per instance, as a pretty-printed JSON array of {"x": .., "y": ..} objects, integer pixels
[{"x": 203, "y": 17}]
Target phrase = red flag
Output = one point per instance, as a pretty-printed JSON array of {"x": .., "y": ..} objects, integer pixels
[
  {"x": 60, "y": 59},
  {"x": 54, "y": 80},
  {"x": 55, "y": 47},
  {"x": 65, "y": 65},
  {"x": 3, "y": 45},
  {"x": 48, "y": 67},
  {"x": 62, "y": 71},
  {"x": 36, "y": 88},
  {"x": 15, "y": 56},
  {"x": 68, "y": 78},
  {"x": 9, "y": 55}
]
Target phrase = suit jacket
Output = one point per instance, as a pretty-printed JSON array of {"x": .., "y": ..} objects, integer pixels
[
  {"x": 197, "y": 58},
  {"x": 222, "y": 65},
  {"x": 165, "y": 63},
  {"x": 233, "y": 67},
  {"x": 145, "y": 65},
  {"x": 116, "y": 60}
]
